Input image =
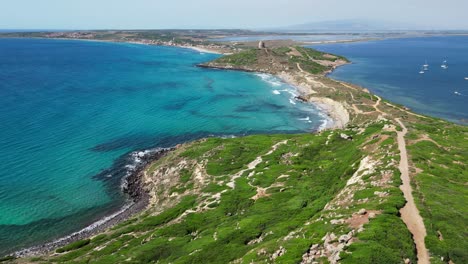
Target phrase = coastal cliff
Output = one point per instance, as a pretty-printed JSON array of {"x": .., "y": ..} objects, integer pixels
[{"x": 330, "y": 197}]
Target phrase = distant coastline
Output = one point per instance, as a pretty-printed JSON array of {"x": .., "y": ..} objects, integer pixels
[{"x": 335, "y": 110}]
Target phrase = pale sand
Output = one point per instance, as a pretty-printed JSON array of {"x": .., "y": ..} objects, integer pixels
[
  {"x": 202, "y": 50},
  {"x": 335, "y": 110}
]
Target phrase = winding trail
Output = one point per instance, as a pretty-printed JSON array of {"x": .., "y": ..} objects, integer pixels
[
  {"x": 410, "y": 213},
  {"x": 404, "y": 110}
]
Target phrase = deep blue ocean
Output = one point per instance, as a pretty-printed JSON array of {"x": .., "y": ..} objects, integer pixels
[
  {"x": 390, "y": 68},
  {"x": 69, "y": 110}
]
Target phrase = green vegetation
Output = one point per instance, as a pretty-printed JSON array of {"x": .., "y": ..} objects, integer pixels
[
  {"x": 439, "y": 151},
  {"x": 318, "y": 55},
  {"x": 278, "y": 204},
  {"x": 75, "y": 245},
  {"x": 308, "y": 65},
  {"x": 385, "y": 240},
  {"x": 277, "y": 198},
  {"x": 244, "y": 58},
  {"x": 7, "y": 258},
  {"x": 278, "y": 59}
]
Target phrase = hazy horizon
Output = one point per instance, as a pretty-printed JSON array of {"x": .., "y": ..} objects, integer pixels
[{"x": 241, "y": 14}]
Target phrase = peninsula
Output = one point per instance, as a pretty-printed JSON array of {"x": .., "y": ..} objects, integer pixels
[{"x": 380, "y": 184}]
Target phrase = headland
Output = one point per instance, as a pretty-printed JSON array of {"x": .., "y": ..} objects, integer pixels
[{"x": 340, "y": 195}]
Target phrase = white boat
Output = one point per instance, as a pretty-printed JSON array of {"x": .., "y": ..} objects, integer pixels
[
  {"x": 422, "y": 71},
  {"x": 444, "y": 65},
  {"x": 466, "y": 78},
  {"x": 426, "y": 65},
  {"x": 457, "y": 93}
]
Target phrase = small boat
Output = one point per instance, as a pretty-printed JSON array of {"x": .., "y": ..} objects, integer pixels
[
  {"x": 426, "y": 65},
  {"x": 444, "y": 65},
  {"x": 466, "y": 78},
  {"x": 422, "y": 72},
  {"x": 457, "y": 93}
]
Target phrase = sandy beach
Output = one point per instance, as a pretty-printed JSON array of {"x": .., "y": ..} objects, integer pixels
[{"x": 336, "y": 111}]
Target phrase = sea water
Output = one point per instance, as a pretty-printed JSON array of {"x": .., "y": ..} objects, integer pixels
[
  {"x": 70, "y": 110},
  {"x": 391, "y": 67}
]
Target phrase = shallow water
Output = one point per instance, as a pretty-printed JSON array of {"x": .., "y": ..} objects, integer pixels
[
  {"x": 390, "y": 68},
  {"x": 70, "y": 109}
]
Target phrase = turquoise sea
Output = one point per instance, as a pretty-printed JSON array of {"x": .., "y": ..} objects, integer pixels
[
  {"x": 391, "y": 67},
  {"x": 72, "y": 111}
]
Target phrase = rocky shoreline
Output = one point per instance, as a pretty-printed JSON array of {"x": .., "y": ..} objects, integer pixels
[
  {"x": 131, "y": 185},
  {"x": 138, "y": 198}
]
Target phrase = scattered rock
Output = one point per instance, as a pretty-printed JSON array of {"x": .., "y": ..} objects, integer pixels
[
  {"x": 362, "y": 211},
  {"x": 337, "y": 221},
  {"x": 344, "y": 238},
  {"x": 328, "y": 238},
  {"x": 381, "y": 194},
  {"x": 278, "y": 253},
  {"x": 344, "y": 136},
  {"x": 439, "y": 234}
]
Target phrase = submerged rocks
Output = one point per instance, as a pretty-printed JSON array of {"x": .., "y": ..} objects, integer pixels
[
  {"x": 131, "y": 182},
  {"x": 301, "y": 98}
]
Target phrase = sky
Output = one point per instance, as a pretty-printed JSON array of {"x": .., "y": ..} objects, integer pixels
[{"x": 248, "y": 14}]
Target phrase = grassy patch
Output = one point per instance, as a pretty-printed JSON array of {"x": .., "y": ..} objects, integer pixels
[
  {"x": 246, "y": 57},
  {"x": 441, "y": 192},
  {"x": 75, "y": 245}
]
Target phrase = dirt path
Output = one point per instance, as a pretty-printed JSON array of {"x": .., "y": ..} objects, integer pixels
[
  {"x": 346, "y": 85},
  {"x": 310, "y": 79},
  {"x": 376, "y": 105},
  {"x": 406, "y": 111},
  {"x": 410, "y": 213}
]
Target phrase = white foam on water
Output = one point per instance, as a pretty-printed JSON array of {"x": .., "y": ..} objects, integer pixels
[
  {"x": 274, "y": 81},
  {"x": 292, "y": 91},
  {"x": 306, "y": 119},
  {"x": 326, "y": 121}
]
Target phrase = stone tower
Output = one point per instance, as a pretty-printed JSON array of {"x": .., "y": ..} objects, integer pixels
[{"x": 261, "y": 45}]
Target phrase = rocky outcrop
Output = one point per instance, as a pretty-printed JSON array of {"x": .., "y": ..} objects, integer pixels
[{"x": 331, "y": 248}]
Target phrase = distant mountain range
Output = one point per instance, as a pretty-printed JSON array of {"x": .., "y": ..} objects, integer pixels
[{"x": 356, "y": 25}]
